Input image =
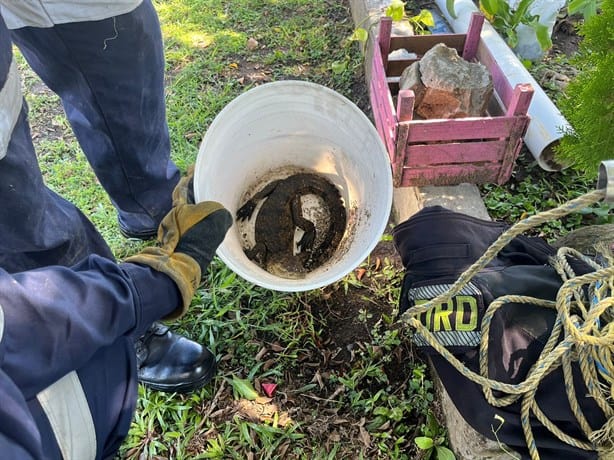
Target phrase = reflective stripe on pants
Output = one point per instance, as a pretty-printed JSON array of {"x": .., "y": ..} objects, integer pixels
[{"x": 66, "y": 408}]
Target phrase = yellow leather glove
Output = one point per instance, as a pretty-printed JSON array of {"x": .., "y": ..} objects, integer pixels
[
  {"x": 184, "y": 190},
  {"x": 188, "y": 237}
]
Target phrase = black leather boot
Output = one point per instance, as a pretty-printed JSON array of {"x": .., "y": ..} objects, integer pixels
[{"x": 170, "y": 362}]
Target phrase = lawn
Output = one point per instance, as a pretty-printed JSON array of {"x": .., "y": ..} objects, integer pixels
[{"x": 349, "y": 384}]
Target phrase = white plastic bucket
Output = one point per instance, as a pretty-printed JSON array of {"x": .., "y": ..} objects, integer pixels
[{"x": 296, "y": 125}]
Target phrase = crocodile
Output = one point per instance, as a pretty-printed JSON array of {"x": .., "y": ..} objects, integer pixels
[{"x": 279, "y": 216}]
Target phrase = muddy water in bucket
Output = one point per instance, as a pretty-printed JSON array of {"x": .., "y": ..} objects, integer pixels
[{"x": 282, "y": 128}]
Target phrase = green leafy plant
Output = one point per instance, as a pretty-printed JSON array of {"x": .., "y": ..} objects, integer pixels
[
  {"x": 506, "y": 21},
  {"x": 587, "y": 8},
  {"x": 433, "y": 440},
  {"x": 243, "y": 388},
  {"x": 396, "y": 11},
  {"x": 588, "y": 100},
  {"x": 602, "y": 213}
]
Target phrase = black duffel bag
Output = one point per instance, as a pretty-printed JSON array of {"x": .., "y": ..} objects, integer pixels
[{"x": 436, "y": 246}]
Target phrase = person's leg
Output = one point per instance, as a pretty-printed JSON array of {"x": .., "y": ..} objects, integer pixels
[
  {"x": 110, "y": 77},
  {"x": 38, "y": 227}
]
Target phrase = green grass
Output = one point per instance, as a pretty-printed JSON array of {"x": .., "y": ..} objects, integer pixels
[
  {"x": 209, "y": 62},
  {"x": 353, "y": 400},
  {"x": 532, "y": 190},
  {"x": 367, "y": 396}
]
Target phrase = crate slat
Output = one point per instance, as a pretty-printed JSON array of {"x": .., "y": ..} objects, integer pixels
[
  {"x": 382, "y": 104},
  {"x": 455, "y": 153},
  {"x": 397, "y": 66},
  {"x": 420, "y": 44},
  {"x": 450, "y": 174},
  {"x": 474, "y": 128}
]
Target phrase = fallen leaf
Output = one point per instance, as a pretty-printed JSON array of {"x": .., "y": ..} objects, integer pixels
[
  {"x": 365, "y": 437},
  {"x": 281, "y": 453},
  {"x": 268, "y": 364},
  {"x": 261, "y": 353},
  {"x": 318, "y": 378},
  {"x": 360, "y": 272},
  {"x": 385, "y": 426},
  {"x": 262, "y": 410}
]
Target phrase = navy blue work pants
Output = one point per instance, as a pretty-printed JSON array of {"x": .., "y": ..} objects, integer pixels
[
  {"x": 109, "y": 76},
  {"x": 37, "y": 226}
]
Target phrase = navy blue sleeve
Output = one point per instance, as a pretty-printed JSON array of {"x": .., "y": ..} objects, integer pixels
[
  {"x": 56, "y": 318},
  {"x": 19, "y": 437}
]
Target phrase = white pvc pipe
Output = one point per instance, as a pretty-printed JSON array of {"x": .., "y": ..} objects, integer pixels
[
  {"x": 547, "y": 124},
  {"x": 606, "y": 180}
]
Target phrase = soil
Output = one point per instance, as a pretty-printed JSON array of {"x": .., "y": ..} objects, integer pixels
[{"x": 341, "y": 311}]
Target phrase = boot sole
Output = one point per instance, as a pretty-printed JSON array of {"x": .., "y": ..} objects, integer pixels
[{"x": 183, "y": 387}]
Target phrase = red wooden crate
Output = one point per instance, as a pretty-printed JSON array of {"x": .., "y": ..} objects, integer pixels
[{"x": 446, "y": 151}]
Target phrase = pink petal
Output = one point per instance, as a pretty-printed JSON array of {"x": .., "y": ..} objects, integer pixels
[{"x": 269, "y": 388}]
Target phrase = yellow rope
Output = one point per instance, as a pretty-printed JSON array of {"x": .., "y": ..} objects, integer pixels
[{"x": 581, "y": 333}]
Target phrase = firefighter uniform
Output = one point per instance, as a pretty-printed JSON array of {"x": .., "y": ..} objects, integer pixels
[
  {"x": 105, "y": 61},
  {"x": 68, "y": 381},
  {"x": 436, "y": 245},
  {"x": 68, "y": 369},
  {"x": 113, "y": 96}
]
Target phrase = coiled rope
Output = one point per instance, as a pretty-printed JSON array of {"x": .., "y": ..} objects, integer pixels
[{"x": 581, "y": 333}]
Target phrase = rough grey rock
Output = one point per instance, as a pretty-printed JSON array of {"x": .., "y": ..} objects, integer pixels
[
  {"x": 410, "y": 79},
  {"x": 448, "y": 86},
  {"x": 401, "y": 53}
]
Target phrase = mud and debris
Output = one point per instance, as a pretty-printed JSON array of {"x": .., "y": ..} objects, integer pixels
[{"x": 298, "y": 222}]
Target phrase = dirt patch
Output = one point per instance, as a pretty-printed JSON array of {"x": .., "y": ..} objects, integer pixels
[
  {"x": 350, "y": 315},
  {"x": 565, "y": 38}
]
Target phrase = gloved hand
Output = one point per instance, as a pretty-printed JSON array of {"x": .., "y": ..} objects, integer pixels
[
  {"x": 188, "y": 237},
  {"x": 184, "y": 190}
]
